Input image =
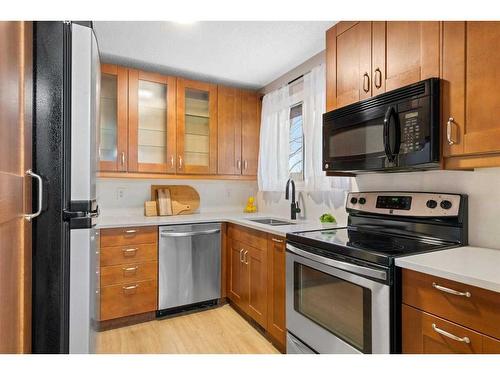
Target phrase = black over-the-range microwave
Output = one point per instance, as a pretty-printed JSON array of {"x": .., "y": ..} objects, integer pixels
[{"x": 392, "y": 132}]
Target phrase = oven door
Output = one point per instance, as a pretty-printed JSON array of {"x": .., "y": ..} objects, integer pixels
[{"x": 332, "y": 308}]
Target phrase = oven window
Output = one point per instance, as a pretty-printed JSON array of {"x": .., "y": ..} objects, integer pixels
[
  {"x": 366, "y": 138},
  {"x": 341, "y": 307}
]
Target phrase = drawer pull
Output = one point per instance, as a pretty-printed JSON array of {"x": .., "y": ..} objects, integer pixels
[
  {"x": 130, "y": 270},
  {"x": 276, "y": 240},
  {"x": 130, "y": 252},
  {"x": 130, "y": 232},
  {"x": 451, "y": 291},
  {"x": 130, "y": 289},
  {"x": 450, "y": 335}
]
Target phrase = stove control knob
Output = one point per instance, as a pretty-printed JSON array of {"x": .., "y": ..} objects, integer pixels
[
  {"x": 354, "y": 200},
  {"x": 362, "y": 200},
  {"x": 446, "y": 204},
  {"x": 431, "y": 203}
]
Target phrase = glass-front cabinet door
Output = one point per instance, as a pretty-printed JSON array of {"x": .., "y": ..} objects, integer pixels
[
  {"x": 112, "y": 137},
  {"x": 151, "y": 116},
  {"x": 196, "y": 127}
]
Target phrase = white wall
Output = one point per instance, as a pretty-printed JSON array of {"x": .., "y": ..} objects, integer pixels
[
  {"x": 215, "y": 195},
  {"x": 482, "y": 187}
]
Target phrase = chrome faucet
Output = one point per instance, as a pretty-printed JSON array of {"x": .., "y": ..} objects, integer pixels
[{"x": 294, "y": 206}]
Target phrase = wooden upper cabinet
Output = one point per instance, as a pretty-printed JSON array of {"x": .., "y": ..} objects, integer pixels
[
  {"x": 152, "y": 122},
  {"x": 229, "y": 130},
  {"x": 412, "y": 52},
  {"x": 250, "y": 132},
  {"x": 348, "y": 63},
  {"x": 471, "y": 94},
  {"x": 196, "y": 127},
  {"x": 113, "y": 155}
]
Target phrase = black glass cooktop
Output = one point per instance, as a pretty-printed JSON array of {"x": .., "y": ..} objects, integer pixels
[{"x": 373, "y": 247}]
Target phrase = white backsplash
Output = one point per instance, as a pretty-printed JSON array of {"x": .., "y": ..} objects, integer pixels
[
  {"x": 215, "y": 195},
  {"x": 482, "y": 187}
]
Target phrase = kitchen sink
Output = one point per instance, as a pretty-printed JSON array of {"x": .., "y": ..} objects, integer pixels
[{"x": 273, "y": 222}]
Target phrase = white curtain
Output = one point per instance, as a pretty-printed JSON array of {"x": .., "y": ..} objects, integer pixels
[
  {"x": 274, "y": 136},
  {"x": 314, "y": 105}
]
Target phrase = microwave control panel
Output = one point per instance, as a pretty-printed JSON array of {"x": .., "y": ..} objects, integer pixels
[{"x": 412, "y": 136}]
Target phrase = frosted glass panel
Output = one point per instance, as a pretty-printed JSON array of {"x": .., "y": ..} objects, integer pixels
[
  {"x": 152, "y": 137},
  {"x": 197, "y": 128},
  {"x": 107, "y": 137}
]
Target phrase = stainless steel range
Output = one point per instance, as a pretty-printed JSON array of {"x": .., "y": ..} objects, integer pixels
[{"x": 343, "y": 292}]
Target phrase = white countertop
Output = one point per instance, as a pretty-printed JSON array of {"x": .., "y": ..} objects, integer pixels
[
  {"x": 116, "y": 221},
  {"x": 469, "y": 265}
]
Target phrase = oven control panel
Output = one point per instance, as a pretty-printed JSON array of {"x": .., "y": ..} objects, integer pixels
[{"x": 405, "y": 203}]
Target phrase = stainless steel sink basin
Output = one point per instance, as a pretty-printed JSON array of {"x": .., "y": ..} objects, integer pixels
[{"x": 273, "y": 222}]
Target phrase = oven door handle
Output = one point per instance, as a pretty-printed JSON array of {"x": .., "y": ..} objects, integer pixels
[
  {"x": 345, "y": 266},
  {"x": 390, "y": 153}
]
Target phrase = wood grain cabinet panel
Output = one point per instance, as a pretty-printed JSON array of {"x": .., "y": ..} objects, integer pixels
[
  {"x": 276, "y": 288},
  {"x": 250, "y": 132},
  {"x": 127, "y": 273},
  {"x": 471, "y": 95},
  {"x": 256, "y": 267},
  {"x": 479, "y": 311},
  {"x": 229, "y": 106},
  {"x": 128, "y": 236},
  {"x": 236, "y": 277}
]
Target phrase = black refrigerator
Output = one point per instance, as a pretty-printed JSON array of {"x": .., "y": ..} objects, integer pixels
[{"x": 65, "y": 242}]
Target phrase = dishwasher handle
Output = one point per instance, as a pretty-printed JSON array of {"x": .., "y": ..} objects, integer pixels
[{"x": 188, "y": 234}]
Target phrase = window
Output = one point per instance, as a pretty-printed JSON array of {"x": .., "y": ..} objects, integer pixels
[{"x": 296, "y": 149}]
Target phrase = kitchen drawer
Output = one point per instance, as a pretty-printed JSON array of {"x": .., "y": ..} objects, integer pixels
[
  {"x": 128, "y": 299},
  {"x": 128, "y": 273},
  {"x": 128, "y": 236},
  {"x": 248, "y": 236},
  {"x": 115, "y": 255},
  {"x": 480, "y": 311},
  {"x": 421, "y": 336}
]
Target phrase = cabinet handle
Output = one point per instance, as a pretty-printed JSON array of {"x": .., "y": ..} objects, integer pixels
[
  {"x": 245, "y": 164},
  {"x": 123, "y": 159},
  {"x": 130, "y": 289},
  {"x": 276, "y": 240},
  {"x": 448, "y": 131},
  {"x": 366, "y": 82},
  {"x": 378, "y": 78},
  {"x": 29, "y": 217},
  {"x": 451, "y": 291},
  {"x": 241, "y": 257},
  {"x": 171, "y": 161},
  {"x": 245, "y": 257},
  {"x": 130, "y": 270},
  {"x": 129, "y": 252},
  {"x": 450, "y": 335},
  {"x": 238, "y": 165},
  {"x": 180, "y": 162}
]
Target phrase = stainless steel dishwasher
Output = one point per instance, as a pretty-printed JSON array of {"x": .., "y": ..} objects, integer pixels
[{"x": 189, "y": 266}]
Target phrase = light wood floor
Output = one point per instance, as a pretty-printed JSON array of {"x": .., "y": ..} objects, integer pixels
[{"x": 221, "y": 330}]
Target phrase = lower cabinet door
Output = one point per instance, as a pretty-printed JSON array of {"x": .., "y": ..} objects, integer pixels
[
  {"x": 256, "y": 266},
  {"x": 424, "y": 333},
  {"x": 236, "y": 285},
  {"x": 128, "y": 299},
  {"x": 276, "y": 324}
]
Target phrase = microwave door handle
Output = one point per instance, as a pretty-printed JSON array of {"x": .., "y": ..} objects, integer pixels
[
  {"x": 391, "y": 154},
  {"x": 387, "y": 147}
]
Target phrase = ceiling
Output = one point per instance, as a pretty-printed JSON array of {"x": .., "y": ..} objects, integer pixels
[{"x": 248, "y": 54}]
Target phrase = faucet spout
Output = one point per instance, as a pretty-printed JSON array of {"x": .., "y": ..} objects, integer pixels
[{"x": 294, "y": 206}]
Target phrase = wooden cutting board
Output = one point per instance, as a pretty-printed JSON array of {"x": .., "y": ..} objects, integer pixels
[{"x": 184, "y": 199}]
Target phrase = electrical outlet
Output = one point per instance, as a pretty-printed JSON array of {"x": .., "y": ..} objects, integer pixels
[
  {"x": 228, "y": 193},
  {"x": 120, "y": 193}
]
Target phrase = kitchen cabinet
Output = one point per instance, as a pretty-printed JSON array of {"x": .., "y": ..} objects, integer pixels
[
  {"x": 445, "y": 316},
  {"x": 196, "y": 127},
  {"x": 151, "y": 122},
  {"x": 128, "y": 272},
  {"x": 276, "y": 278},
  {"x": 113, "y": 150},
  {"x": 348, "y": 63},
  {"x": 248, "y": 272},
  {"x": 238, "y": 127},
  {"x": 364, "y": 59},
  {"x": 471, "y": 95}
]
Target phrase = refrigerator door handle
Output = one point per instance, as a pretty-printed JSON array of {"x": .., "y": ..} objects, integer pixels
[{"x": 31, "y": 216}]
